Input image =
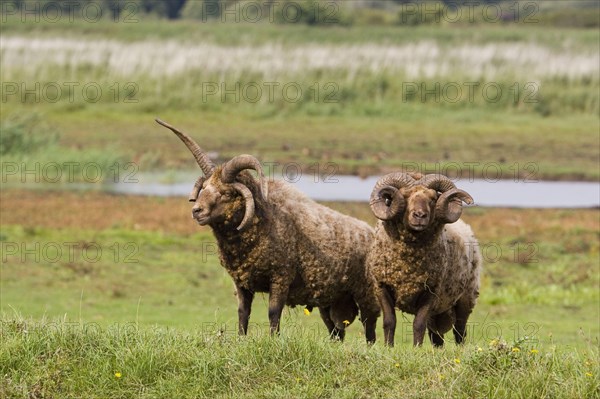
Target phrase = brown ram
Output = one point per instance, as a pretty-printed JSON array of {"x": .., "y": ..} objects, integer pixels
[
  {"x": 424, "y": 260},
  {"x": 274, "y": 239}
]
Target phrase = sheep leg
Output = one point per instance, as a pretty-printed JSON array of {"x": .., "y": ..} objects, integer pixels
[
  {"x": 370, "y": 322},
  {"x": 437, "y": 339},
  {"x": 463, "y": 311},
  {"x": 334, "y": 332},
  {"x": 368, "y": 318},
  {"x": 324, "y": 312},
  {"x": 245, "y": 298},
  {"x": 277, "y": 298},
  {"x": 389, "y": 315},
  {"x": 420, "y": 324}
]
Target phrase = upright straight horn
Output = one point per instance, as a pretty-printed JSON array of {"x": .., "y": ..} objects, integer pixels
[{"x": 202, "y": 159}]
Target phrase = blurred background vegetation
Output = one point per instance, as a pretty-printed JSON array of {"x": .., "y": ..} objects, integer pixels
[
  {"x": 563, "y": 13},
  {"x": 398, "y": 68}
]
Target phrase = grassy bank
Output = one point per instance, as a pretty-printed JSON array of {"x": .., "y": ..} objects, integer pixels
[
  {"x": 470, "y": 143},
  {"x": 57, "y": 359},
  {"x": 115, "y": 296}
]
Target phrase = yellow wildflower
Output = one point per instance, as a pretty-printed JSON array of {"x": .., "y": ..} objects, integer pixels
[
  {"x": 118, "y": 374},
  {"x": 442, "y": 377},
  {"x": 479, "y": 349},
  {"x": 533, "y": 351},
  {"x": 306, "y": 312},
  {"x": 516, "y": 350},
  {"x": 589, "y": 374},
  {"x": 457, "y": 361},
  {"x": 397, "y": 365}
]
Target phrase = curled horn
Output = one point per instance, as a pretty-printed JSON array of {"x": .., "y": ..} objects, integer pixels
[
  {"x": 196, "y": 190},
  {"x": 386, "y": 203},
  {"x": 202, "y": 159},
  {"x": 437, "y": 182},
  {"x": 448, "y": 207},
  {"x": 242, "y": 162},
  {"x": 249, "y": 200}
]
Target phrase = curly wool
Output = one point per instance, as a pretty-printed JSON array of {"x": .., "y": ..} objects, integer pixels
[
  {"x": 294, "y": 242},
  {"x": 445, "y": 262}
]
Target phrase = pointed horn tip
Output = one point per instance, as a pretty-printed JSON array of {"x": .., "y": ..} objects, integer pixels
[{"x": 163, "y": 123}]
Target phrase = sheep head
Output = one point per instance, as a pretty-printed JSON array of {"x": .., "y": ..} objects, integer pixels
[
  {"x": 225, "y": 193},
  {"x": 418, "y": 201}
]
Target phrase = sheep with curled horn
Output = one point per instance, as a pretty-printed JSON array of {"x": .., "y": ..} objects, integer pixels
[
  {"x": 274, "y": 239},
  {"x": 424, "y": 260}
]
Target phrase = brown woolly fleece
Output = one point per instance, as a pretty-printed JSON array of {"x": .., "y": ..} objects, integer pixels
[
  {"x": 442, "y": 265},
  {"x": 446, "y": 264},
  {"x": 295, "y": 248}
]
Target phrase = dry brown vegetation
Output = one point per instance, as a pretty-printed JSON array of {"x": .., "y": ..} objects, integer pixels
[{"x": 98, "y": 211}]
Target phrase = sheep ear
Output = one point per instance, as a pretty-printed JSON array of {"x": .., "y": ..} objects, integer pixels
[{"x": 449, "y": 206}]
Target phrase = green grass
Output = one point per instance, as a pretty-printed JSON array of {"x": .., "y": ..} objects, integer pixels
[
  {"x": 540, "y": 283},
  {"x": 155, "y": 306},
  {"x": 475, "y": 143},
  {"x": 31, "y": 151},
  {"x": 260, "y": 33},
  {"x": 53, "y": 358}
]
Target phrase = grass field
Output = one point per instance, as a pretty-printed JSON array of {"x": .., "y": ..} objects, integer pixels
[
  {"x": 158, "y": 363},
  {"x": 109, "y": 296},
  {"x": 112, "y": 284}
]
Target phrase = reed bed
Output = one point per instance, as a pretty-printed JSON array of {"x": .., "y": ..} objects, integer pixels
[{"x": 424, "y": 59}]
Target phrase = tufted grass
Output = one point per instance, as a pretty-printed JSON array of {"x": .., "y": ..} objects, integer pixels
[
  {"x": 53, "y": 358},
  {"x": 155, "y": 305}
]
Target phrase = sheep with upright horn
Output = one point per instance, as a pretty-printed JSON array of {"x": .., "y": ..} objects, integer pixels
[
  {"x": 274, "y": 239},
  {"x": 424, "y": 260}
]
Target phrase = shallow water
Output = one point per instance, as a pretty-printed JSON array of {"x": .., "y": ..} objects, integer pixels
[{"x": 488, "y": 193}]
